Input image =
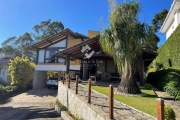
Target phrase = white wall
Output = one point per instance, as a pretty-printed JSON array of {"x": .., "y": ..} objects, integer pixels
[
  {"x": 41, "y": 56},
  {"x": 173, "y": 25},
  {"x": 2, "y": 55},
  {"x": 4, "y": 70},
  {"x": 55, "y": 67},
  {"x": 59, "y": 44}
]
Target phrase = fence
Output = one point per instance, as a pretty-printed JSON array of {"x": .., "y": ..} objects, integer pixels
[{"x": 159, "y": 102}]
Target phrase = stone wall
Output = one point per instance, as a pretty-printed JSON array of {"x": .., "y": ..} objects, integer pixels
[{"x": 76, "y": 105}]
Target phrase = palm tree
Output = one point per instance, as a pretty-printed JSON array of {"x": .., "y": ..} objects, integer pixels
[{"x": 123, "y": 40}]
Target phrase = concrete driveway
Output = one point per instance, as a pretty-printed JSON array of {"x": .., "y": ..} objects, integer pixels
[{"x": 34, "y": 104}]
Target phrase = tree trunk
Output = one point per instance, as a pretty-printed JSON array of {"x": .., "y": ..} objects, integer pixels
[{"x": 128, "y": 83}]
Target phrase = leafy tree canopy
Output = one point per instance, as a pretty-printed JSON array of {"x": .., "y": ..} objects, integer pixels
[
  {"x": 18, "y": 45},
  {"x": 126, "y": 35},
  {"x": 46, "y": 28},
  {"x": 159, "y": 19}
]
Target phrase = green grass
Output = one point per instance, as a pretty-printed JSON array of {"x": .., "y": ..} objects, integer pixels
[{"x": 146, "y": 104}]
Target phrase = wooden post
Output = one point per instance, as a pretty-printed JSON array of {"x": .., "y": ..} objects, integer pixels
[
  {"x": 69, "y": 80},
  {"x": 160, "y": 109},
  {"x": 89, "y": 91},
  {"x": 111, "y": 94},
  {"x": 76, "y": 84},
  {"x": 67, "y": 64},
  {"x": 63, "y": 77}
]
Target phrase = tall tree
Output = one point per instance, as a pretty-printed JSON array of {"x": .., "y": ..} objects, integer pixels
[
  {"x": 46, "y": 29},
  {"x": 18, "y": 46},
  {"x": 14, "y": 45},
  {"x": 159, "y": 19},
  {"x": 125, "y": 35},
  {"x": 9, "y": 48}
]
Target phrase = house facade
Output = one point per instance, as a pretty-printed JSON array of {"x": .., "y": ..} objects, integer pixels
[
  {"x": 78, "y": 54},
  {"x": 172, "y": 19},
  {"x": 4, "y": 64},
  {"x": 45, "y": 49}
]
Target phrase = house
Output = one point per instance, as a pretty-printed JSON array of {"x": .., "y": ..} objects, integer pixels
[
  {"x": 172, "y": 19},
  {"x": 4, "y": 60},
  {"x": 45, "y": 61},
  {"x": 78, "y": 54}
]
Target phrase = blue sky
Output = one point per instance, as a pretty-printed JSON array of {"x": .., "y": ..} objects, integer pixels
[{"x": 19, "y": 16}]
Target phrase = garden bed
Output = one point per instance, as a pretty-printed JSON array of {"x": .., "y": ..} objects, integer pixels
[{"x": 146, "y": 103}]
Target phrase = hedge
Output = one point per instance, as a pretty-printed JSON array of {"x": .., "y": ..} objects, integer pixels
[
  {"x": 167, "y": 62},
  {"x": 169, "y": 52}
]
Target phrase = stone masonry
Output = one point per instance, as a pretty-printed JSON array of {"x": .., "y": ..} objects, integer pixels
[{"x": 98, "y": 108}]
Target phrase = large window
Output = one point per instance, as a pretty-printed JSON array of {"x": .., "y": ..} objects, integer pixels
[{"x": 49, "y": 55}]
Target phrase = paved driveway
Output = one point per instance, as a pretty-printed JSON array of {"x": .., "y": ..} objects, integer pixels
[{"x": 34, "y": 104}]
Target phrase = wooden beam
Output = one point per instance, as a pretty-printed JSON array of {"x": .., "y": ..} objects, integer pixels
[{"x": 49, "y": 41}]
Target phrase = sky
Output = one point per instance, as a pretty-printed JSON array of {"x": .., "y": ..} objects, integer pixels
[{"x": 20, "y": 16}]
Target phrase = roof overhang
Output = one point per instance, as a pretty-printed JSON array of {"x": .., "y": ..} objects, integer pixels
[
  {"x": 75, "y": 51},
  {"x": 55, "y": 38},
  {"x": 170, "y": 16}
]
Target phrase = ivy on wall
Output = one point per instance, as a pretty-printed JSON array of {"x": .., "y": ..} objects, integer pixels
[{"x": 169, "y": 52}]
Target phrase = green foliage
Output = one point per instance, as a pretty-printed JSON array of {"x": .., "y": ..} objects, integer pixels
[
  {"x": 169, "y": 113},
  {"x": 126, "y": 35},
  {"x": 46, "y": 29},
  {"x": 167, "y": 79},
  {"x": 159, "y": 19},
  {"x": 167, "y": 61},
  {"x": 51, "y": 74},
  {"x": 21, "y": 71},
  {"x": 7, "y": 90},
  {"x": 79, "y": 81},
  {"x": 173, "y": 85},
  {"x": 148, "y": 86},
  {"x": 2, "y": 90},
  {"x": 168, "y": 53},
  {"x": 62, "y": 107},
  {"x": 18, "y": 45},
  {"x": 9, "y": 87}
]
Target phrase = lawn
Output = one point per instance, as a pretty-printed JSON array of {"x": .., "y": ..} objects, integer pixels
[{"x": 146, "y": 104}]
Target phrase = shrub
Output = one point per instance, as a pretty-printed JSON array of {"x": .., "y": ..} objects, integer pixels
[
  {"x": 162, "y": 75},
  {"x": 15, "y": 88},
  {"x": 2, "y": 90},
  {"x": 79, "y": 81},
  {"x": 173, "y": 88},
  {"x": 169, "y": 113},
  {"x": 148, "y": 86},
  {"x": 21, "y": 71},
  {"x": 167, "y": 59},
  {"x": 9, "y": 87}
]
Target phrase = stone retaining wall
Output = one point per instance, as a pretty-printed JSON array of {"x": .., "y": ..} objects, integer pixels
[{"x": 76, "y": 105}]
